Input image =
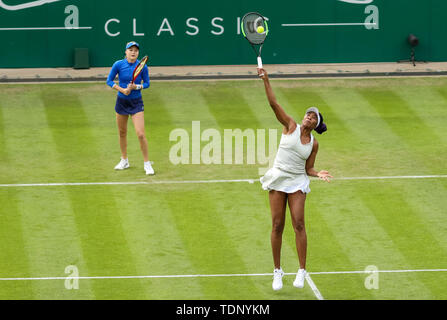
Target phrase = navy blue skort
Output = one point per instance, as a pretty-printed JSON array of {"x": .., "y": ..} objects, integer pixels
[{"x": 129, "y": 106}]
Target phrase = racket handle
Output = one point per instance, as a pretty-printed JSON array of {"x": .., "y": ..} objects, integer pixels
[
  {"x": 259, "y": 63},
  {"x": 260, "y": 66}
]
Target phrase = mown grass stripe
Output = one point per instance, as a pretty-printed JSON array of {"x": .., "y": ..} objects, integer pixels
[
  {"x": 3, "y": 154},
  {"x": 233, "y": 111},
  {"x": 257, "y": 102},
  {"x": 14, "y": 258},
  {"x": 98, "y": 104},
  {"x": 207, "y": 243},
  {"x": 423, "y": 198},
  {"x": 187, "y": 108},
  {"x": 159, "y": 123},
  {"x": 361, "y": 233},
  {"x": 407, "y": 125},
  {"x": 259, "y": 105},
  {"x": 95, "y": 212},
  {"x": 302, "y": 98},
  {"x": 414, "y": 227},
  {"x": 443, "y": 92},
  {"x": 24, "y": 145},
  {"x": 434, "y": 111},
  {"x": 4, "y": 158},
  {"x": 25, "y": 137},
  {"x": 52, "y": 254},
  {"x": 157, "y": 117},
  {"x": 396, "y": 153},
  {"x": 320, "y": 235},
  {"x": 147, "y": 227},
  {"x": 295, "y": 101},
  {"x": 349, "y": 105},
  {"x": 410, "y": 237},
  {"x": 344, "y": 240},
  {"x": 356, "y": 113},
  {"x": 185, "y": 104}
]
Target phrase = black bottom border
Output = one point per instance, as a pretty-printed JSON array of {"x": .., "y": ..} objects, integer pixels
[{"x": 225, "y": 309}]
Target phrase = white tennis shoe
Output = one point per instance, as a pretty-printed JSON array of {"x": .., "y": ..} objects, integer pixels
[
  {"x": 148, "y": 168},
  {"x": 277, "y": 279},
  {"x": 123, "y": 164},
  {"x": 299, "y": 280}
]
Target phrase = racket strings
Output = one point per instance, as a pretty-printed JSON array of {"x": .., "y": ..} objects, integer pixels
[
  {"x": 255, "y": 29},
  {"x": 250, "y": 24}
]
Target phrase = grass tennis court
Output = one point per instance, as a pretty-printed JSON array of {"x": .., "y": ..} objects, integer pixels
[{"x": 63, "y": 133}]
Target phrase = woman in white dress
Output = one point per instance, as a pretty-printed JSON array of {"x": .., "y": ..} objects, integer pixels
[{"x": 288, "y": 182}]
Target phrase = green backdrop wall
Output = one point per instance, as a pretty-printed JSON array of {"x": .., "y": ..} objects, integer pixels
[{"x": 44, "y": 33}]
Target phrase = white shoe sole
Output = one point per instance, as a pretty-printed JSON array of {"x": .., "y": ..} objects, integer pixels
[
  {"x": 299, "y": 284},
  {"x": 278, "y": 285},
  {"x": 125, "y": 167},
  {"x": 276, "y": 289}
]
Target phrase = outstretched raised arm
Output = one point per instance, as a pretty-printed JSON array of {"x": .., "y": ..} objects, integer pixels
[{"x": 287, "y": 121}]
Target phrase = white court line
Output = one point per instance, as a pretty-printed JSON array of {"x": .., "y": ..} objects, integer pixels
[
  {"x": 45, "y": 28},
  {"x": 327, "y": 24},
  {"x": 393, "y": 177},
  {"x": 16, "y": 185},
  {"x": 309, "y": 280},
  {"x": 215, "y": 275},
  {"x": 380, "y": 271},
  {"x": 125, "y": 183},
  {"x": 314, "y": 288}
]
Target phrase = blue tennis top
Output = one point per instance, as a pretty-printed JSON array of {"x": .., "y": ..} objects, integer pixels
[{"x": 124, "y": 70}]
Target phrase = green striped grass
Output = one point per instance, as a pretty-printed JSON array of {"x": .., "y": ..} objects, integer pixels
[{"x": 59, "y": 133}]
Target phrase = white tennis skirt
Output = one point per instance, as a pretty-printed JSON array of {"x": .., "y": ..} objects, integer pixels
[{"x": 276, "y": 179}]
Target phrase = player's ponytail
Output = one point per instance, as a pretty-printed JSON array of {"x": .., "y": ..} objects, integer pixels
[{"x": 322, "y": 126}]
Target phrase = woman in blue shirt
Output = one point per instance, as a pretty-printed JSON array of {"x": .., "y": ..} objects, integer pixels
[{"x": 130, "y": 102}]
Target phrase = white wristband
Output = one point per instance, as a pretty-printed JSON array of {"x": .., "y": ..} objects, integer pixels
[{"x": 139, "y": 86}]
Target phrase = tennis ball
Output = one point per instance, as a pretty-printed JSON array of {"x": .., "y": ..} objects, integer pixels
[{"x": 260, "y": 29}]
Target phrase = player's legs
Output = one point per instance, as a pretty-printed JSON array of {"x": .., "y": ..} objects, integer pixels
[
  {"x": 138, "y": 122},
  {"x": 296, "y": 204},
  {"x": 278, "y": 202},
  {"x": 121, "y": 121}
]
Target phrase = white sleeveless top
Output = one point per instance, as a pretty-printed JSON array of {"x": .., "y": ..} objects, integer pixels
[{"x": 292, "y": 154}]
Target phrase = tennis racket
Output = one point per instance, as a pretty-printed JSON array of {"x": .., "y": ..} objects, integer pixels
[
  {"x": 139, "y": 68},
  {"x": 251, "y": 24}
]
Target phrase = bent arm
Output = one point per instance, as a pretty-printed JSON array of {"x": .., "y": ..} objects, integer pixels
[
  {"x": 145, "y": 79},
  {"x": 310, "y": 165},
  {"x": 112, "y": 75},
  {"x": 111, "y": 83},
  {"x": 310, "y": 162},
  {"x": 281, "y": 115}
]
